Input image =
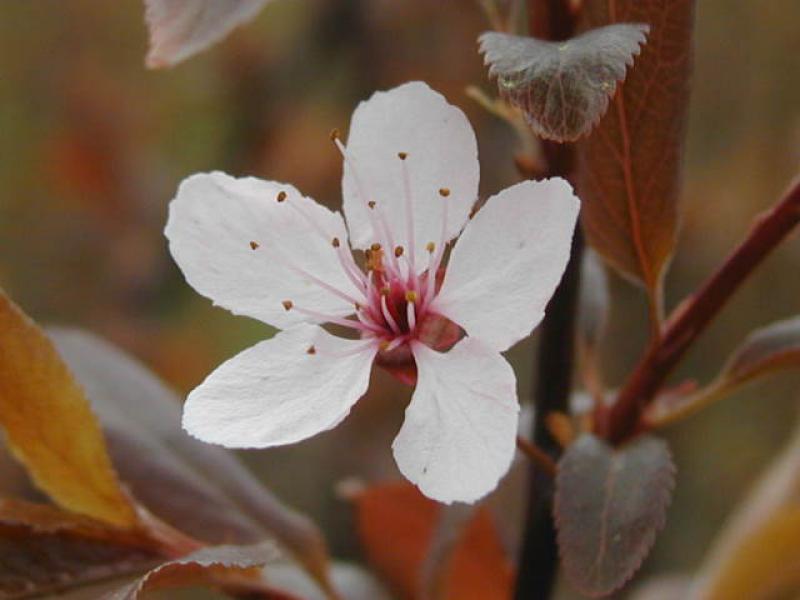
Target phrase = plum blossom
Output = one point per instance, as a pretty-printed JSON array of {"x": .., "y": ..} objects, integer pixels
[{"x": 262, "y": 249}]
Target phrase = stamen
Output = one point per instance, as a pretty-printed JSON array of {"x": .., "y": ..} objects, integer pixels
[
  {"x": 371, "y": 204},
  {"x": 409, "y": 219},
  {"x": 344, "y": 322},
  {"x": 388, "y": 315},
  {"x": 311, "y": 350},
  {"x": 287, "y": 305},
  {"x": 254, "y": 245},
  {"x": 398, "y": 251},
  {"x": 335, "y": 242},
  {"x": 411, "y": 314},
  {"x": 437, "y": 260},
  {"x": 411, "y": 296},
  {"x": 389, "y": 346},
  {"x": 281, "y": 196},
  {"x": 430, "y": 247},
  {"x": 444, "y": 192}
]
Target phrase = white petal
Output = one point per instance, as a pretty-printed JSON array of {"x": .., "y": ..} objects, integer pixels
[
  {"x": 212, "y": 222},
  {"x": 442, "y": 153},
  {"x": 460, "y": 429},
  {"x": 181, "y": 28},
  {"x": 509, "y": 260},
  {"x": 278, "y": 392}
]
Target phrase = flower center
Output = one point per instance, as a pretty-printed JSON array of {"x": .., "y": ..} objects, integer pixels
[{"x": 393, "y": 305}]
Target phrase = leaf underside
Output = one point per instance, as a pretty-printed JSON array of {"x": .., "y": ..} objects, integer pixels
[
  {"x": 609, "y": 504},
  {"x": 629, "y": 166},
  {"x": 563, "y": 88},
  {"x": 182, "y": 28}
]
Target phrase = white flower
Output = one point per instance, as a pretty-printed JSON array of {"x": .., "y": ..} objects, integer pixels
[{"x": 261, "y": 249}]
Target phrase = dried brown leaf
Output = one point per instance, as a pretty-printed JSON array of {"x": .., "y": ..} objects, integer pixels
[
  {"x": 563, "y": 87},
  {"x": 182, "y": 28},
  {"x": 231, "y": 567},
  {"x": 609, "y": 504},
  {"x": 629, "y": 167},
  {"x": 44, "y": 549},
  {"x": 49, "y": 425},
  {"x": 203, "y": 490}
]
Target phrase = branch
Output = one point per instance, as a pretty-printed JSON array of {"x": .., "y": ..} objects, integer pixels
[{"x": 692, "y": 316}]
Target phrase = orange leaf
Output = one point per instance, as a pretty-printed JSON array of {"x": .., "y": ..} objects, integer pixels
[
  {"x": 396, "y": 524},
  {"x": 629, "y": 167},
  {"x": 49, "y": 425}
]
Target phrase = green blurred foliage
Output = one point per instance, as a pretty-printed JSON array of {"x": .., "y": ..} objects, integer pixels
[{"x": 92, "y": 147}]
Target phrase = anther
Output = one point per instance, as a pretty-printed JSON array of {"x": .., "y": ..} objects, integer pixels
[
  {"x": 335, "y": 242},
  {"x": 430, "y": 247},
  {"x": 334, "y": 135},
  {"x": 411, "y": 296},
  {"x": 398, "y": 252},
  {"x": 444, "y": 192},
  {"x": 402, "y": 155},
  {"x": 386, "y": 290},
  {"x": 311, "y": 350},
  {"x": 281, "y": 196},
  {"x": 375, "y": 247},
  {"x": 287, "y": 304},
  {"x": 254, "y": 245},
  {"x": 371, "y": 203},
  {"x": 384, "y": 344}
]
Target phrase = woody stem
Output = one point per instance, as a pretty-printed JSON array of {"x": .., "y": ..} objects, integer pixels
[{"x": 695, "y": 313}]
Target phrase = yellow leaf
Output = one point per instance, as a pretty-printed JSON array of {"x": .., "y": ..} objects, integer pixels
[
  {"x": 49, "y": 425},
  {"x": 767, "y": 563}
]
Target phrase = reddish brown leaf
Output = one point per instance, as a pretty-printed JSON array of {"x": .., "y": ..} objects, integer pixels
[
  {"x": 234, "y": 568},
  {"x": 609, "y": 504},
  {"x": 629, "y": 166},
  {"x": 202, "y": 490},
  {"x": 396, "y": 525},
  {"x": 44, "y": 549},
  {"x": 49, "y": 425}
]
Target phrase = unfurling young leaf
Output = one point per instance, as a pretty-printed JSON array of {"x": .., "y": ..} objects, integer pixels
[
  {"x": 229, "y": 565},
  {"x": 563, "y": 87},
  {"x": 629, "y": 167},
  {"x": 768, "y": 349},
  {"x": 182, "y": 28},
  {"x": 609, "y": 504},
  {"x": 203, "y": 490},
  {"x": 49, "y": 425},
  {"x": 44, "y": 549}
]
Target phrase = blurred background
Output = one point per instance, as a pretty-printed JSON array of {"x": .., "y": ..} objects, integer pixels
[{"x": 92, "y": 147}]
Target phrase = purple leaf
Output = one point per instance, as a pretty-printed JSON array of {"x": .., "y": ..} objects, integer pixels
[{"x": 609, "y": 505}]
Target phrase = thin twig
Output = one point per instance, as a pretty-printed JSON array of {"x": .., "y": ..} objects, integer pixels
[
  {"x": 695, "y": 313},
  {"x": 541, "y": 458}
]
